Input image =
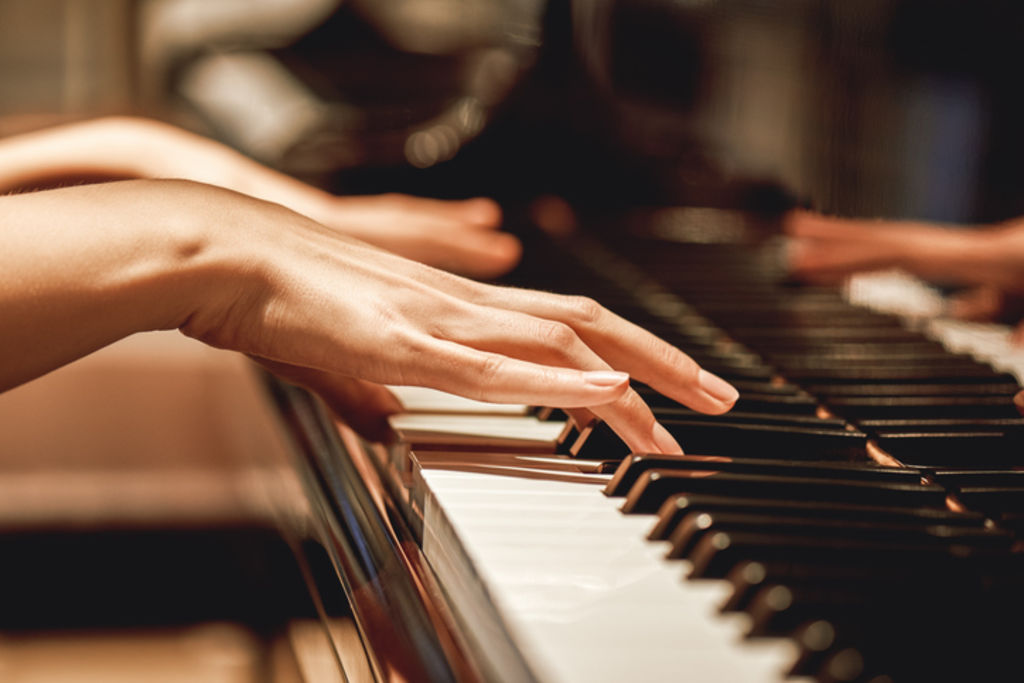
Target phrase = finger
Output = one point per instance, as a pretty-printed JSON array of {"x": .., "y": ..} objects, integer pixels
[
  {"x": 364, "y": 406},
  {"x": 472, "y": 253},
  {"x": 556, "y": 344},
  {"x": 805, "y": 224},
  {"x": 831, "y": 261},
  {"x": 488, "y": 376},
  {"x": 1017, "y": 339},
  {"x": 636, "y": 425},
  {"x": 978, "y": 304},
  {"x": 624, "y": 346},
  {"x": 478, "y": 212}
]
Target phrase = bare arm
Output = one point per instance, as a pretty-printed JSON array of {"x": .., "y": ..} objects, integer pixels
[
  {"x": 459, "y": 235},
  {"x": 83, "y": 266},
  {"x": 828, "y": 249}
]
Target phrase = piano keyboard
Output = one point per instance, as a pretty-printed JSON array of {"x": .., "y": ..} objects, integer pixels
[{"x": 857, "y": 517}]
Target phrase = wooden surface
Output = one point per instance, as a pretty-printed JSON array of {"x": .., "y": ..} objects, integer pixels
[{"x": 155, "y": 427}]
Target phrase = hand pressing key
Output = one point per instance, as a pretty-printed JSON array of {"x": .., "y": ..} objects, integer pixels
[{"x": 81, "y": 267}]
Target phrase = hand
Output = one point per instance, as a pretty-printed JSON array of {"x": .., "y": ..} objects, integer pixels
[
  {"x": 298, "y": 294},
  {"x": 828, "y": 249},
  {"x": 461, "y": 236},
  {"x": 84, "y": 266}
]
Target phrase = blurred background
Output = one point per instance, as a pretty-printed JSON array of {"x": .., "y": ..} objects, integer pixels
[
  {"x": 897, "y": 108},
  {"x": 142, "y": 503}
]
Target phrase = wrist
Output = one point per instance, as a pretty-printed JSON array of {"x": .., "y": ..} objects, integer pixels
[{"x": 85, "y": 266}]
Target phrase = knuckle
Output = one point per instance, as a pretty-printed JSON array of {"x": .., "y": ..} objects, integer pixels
[
  {"x": 557, "y": 335},
  {"x": 585, "y": 310},
  {"x": 490, "y": 369},
  {"x": 671, "y": 357}
]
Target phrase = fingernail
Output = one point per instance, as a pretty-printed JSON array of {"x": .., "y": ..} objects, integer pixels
[
  {"x": 665, "y": 442},
  {"x": 717, "y": 388},
  {"x": 605, "y": 378}
]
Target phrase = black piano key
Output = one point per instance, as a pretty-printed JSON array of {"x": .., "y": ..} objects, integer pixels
[
  {"x": 707, "y": 437},
  {"x": 829, "y": 363},
  {"x": 883, "y": 353},
  {"x": 951, "y": 448},
  {"x": 749, "y": 401},
  {"x": 732, "y": 373},
  {"x": 774, "y": 387},
  {"x": 716, "y": 356},
  {"x": 909, "y": 390},
  {"x": 920, "y": 346},
  {"x": 778, "y": 610},
  {"x": 782, "y": 337},
  {"x": 922, "y": 407},
  {"x": 747, "y": 577},
  {"x": 958, "y": 635},
  {"x": 695, "y": 526},
  {"x": 954, "y": 479},
  {"x": 631, "y": 468},
  {"x": 816, "y": 640},
  {"x": 717, "y": 553},
  {"x": 679, "y": 506},
  {"x": 887, "y": 375},
  {"x": 1012, "y": 522},
  {"x": 654, "y": 487},
  {"x": 1000, "y": 424},
  {"x": 994, "y": 500},
  {"x": 780, "y": 405},
  {"x": 737, "y": 416}
]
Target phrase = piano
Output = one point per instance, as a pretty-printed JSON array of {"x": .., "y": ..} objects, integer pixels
[
  {"x": 854, "y": 518},
  {"x": 857, "y": 517}
]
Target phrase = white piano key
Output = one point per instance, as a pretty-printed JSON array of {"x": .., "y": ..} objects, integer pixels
[
  {"x": 905, "y": 295},
  {"x": 494, "y": 430},
  {"x": 425, "y": 400},
  {"x": 583, "y": 594}
]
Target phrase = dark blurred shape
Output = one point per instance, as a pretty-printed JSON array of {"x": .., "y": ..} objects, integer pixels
[
  {"x": 898, "y": 108},
  {"x": 404, "y": 83},
  {"x": 888, "y": 108}
]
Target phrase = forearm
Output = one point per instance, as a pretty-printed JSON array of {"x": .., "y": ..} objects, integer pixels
[
  {"x": 109, "y": 147},
  {"x": 130, "y": 147},
  {"x": 82, "y": 267},
  {"x": 979, "y": 256}
]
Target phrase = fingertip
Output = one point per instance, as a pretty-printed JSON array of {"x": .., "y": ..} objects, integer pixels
[
  {"x": 795, "y": 219},
  {"x": 721, "y": 394},
  {"x": 665, "y": 442},
  {"x": 794, "y": 255},
  {"x": 482, "y": 211},
  {"x": 493, "y": 256}
]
